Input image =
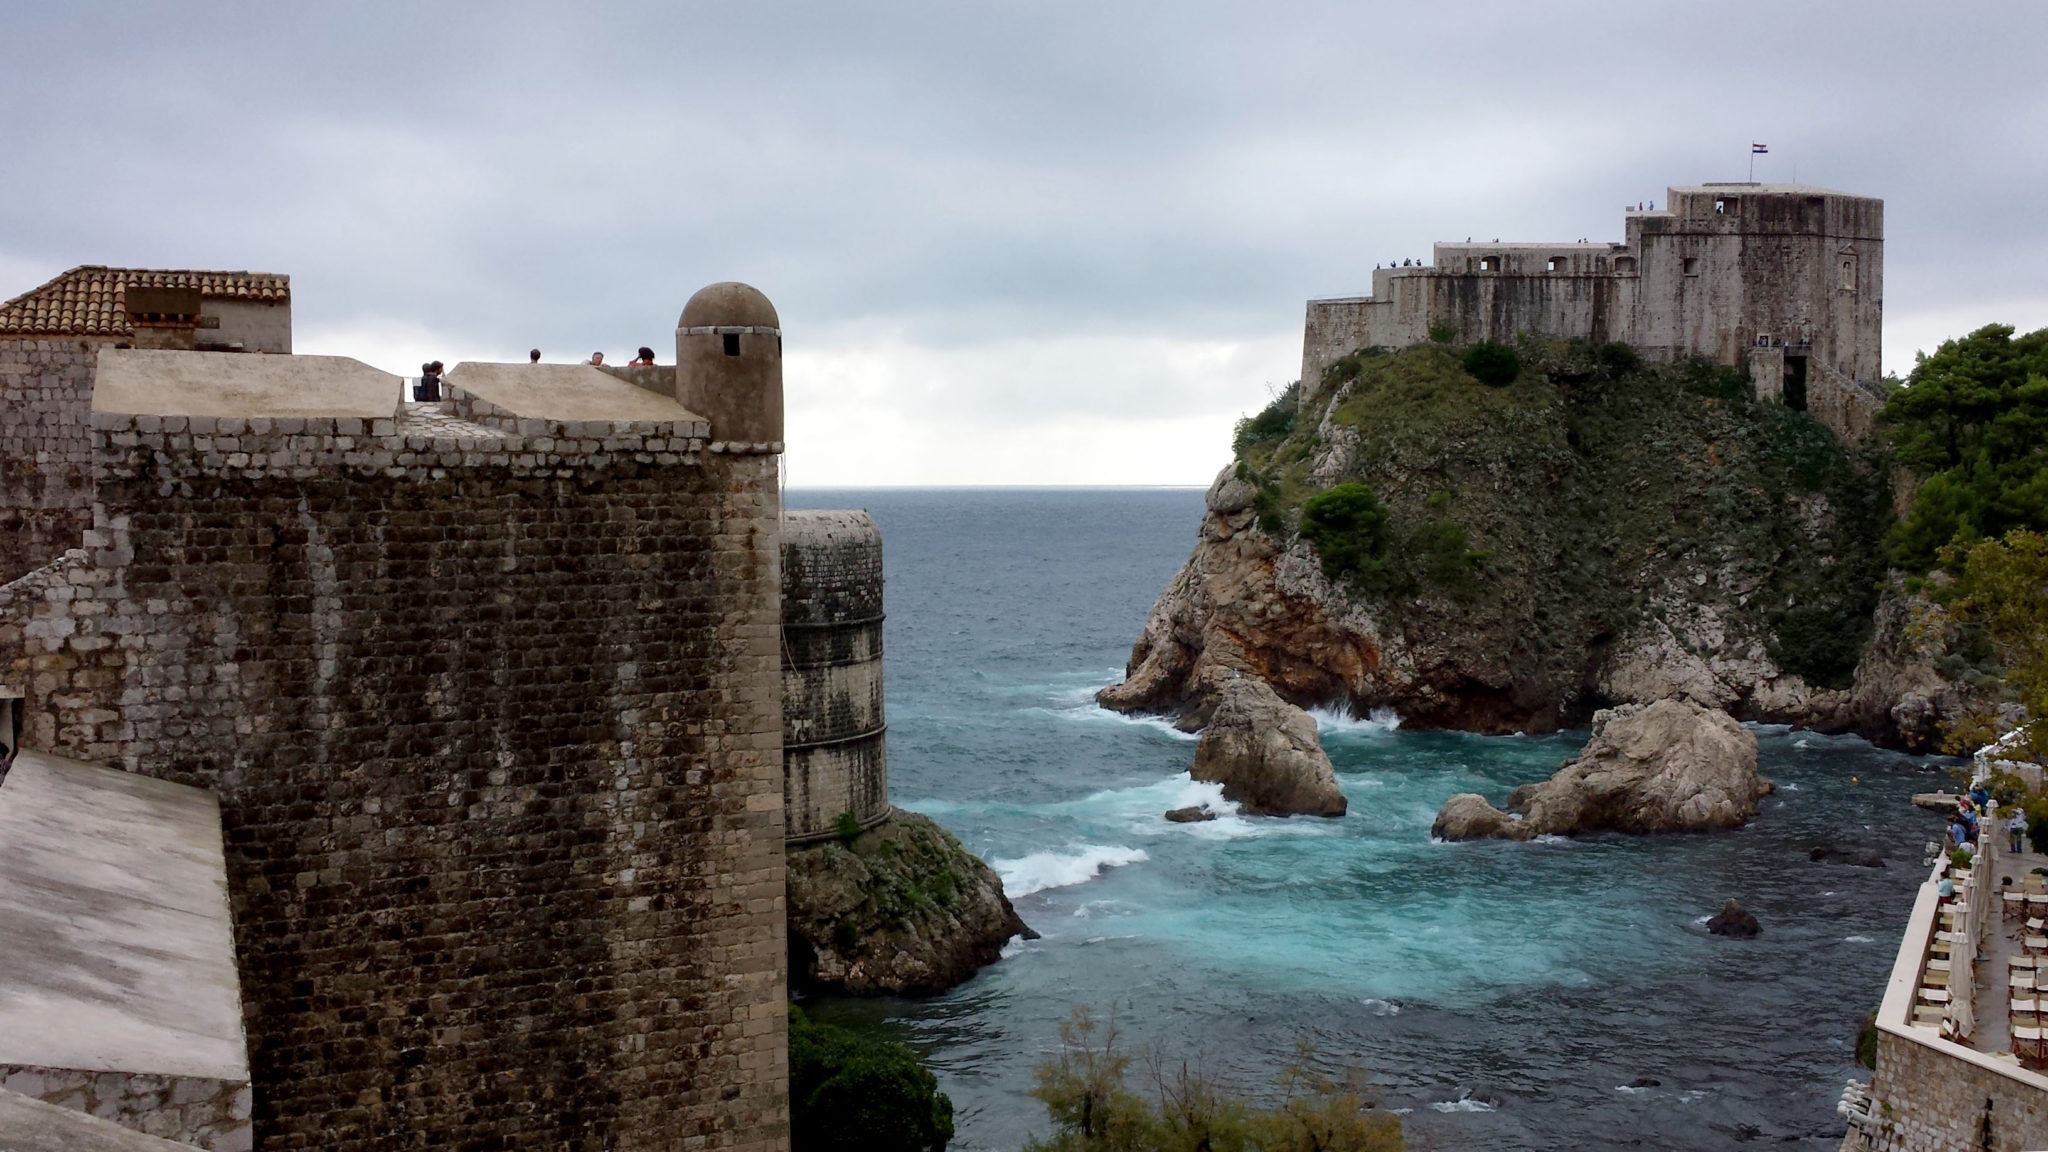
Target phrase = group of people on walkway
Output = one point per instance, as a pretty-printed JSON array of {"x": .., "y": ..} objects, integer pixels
[
  {"x": 1972, "y": 809},
  {"x": 427, "y": 389}
]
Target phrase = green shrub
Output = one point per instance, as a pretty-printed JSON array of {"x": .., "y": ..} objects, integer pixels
[
  {"x": 1618, "y": 358},
  {"x": 1092, "y": 1109},
  {"x": 1492, "y": 364},
  {"x": 851, "y": 1094},
  {"x": 1443, "y": 333},
  {"x": 1272, "y": 424},
  {"x": 1866, "y": 1042},
  {"x": 1348, "y": 526},
  {"x": 848, "y": 826}
]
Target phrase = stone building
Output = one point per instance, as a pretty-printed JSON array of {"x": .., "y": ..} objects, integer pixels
[
  {"x": 488, "y": 694},
  {"x": 1784, "y": 280},
  {"x": 48, "y": 337}
]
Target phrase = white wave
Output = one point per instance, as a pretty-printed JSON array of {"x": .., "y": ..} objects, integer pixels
[
  {"x": 1379, "y": 1007},
  {"x": 1701, "y": 921},
  {"x": 1859, "y": 940},
  {"x": 1630, "y": 1089},
  {"x": 1788, "y": 786},
  {"x": 1091, "y": 713},
  {"x": 1336, "y": 718},
  {"x": 1016, "y": 946},
  {"x": 1691, "y": 1097},
  {"x": 1063, "y": 868},
  {"x": 1801, "y": 743},
  {"x": 1462, "y": 1104}
]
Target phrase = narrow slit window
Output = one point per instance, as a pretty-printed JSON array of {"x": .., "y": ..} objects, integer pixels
[
  {"x": 732, "y": 343},
  {"x": 1692, "y": 265}
]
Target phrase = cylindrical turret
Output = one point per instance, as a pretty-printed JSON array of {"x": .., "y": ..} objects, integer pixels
[
  {"x": 834, "y": 759},
  {"x": 729, "y": 363}
]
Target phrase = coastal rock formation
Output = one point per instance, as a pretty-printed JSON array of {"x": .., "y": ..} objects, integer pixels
[
  {"x": 903, "y": 908},
  {"x": 1192, "y": 814},
  {"x": 1264, "y": 752},
  {"x": 1467, "y": 816},
  {"x": 1671, "y": 766},
  {"x": 1733, "y": 920},
  {"x": 1538, "y": 560}
]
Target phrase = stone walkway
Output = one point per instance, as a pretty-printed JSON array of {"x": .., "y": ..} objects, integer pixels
[
  {"x": 2001, "y": 940},
  {"x": 436, "y": 422}
]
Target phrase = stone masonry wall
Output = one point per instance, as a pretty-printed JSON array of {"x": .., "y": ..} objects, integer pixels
[
  {"x": 209, "y": 1114},
  {"x": 495, "y": 722},
  {"x": 45, "y": 450},
  {"x": 835, "y": 759},
  {"x": 1927, "y": 1100}
]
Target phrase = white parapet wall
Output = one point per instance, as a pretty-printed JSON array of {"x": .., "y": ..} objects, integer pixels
[
  {"x": 118, "y": 991},
  {"x": 1930, "y": 1093}
]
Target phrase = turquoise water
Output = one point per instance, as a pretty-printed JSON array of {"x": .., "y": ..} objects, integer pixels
[{"x": 1501, "y": 995}]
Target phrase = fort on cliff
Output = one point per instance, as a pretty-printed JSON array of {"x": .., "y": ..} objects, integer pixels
[
  {"x": 480, "y": 702},
  {"x": 1784, "y": 280}
]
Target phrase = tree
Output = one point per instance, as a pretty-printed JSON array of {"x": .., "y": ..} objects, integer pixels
[
  {"x": 1971, "y": 421},
  {"x": 851, "y": 1094},
  {"x": 2003, "y": 589}
]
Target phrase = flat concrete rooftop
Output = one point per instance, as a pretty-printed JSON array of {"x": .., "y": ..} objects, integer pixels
[
  {"x": 564, "y": 392},
  {"x": 142, "y": 382},
  {"x": 116, "y": 947}
]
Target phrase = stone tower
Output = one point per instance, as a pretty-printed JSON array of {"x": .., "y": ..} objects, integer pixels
[
  {"x": 729, "y": 362},
  {"x": 835, "y": 763}
]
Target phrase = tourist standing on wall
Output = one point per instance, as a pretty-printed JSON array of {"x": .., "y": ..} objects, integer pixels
[
  {"x": 597, "y": 359},
  {"x": 644, "y": 360}
]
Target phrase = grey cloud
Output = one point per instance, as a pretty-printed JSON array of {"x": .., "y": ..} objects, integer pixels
[{"x": 968, "y": 172}]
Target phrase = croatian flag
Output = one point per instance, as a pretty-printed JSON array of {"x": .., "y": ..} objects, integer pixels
[{"x": 1757, "y": 149}]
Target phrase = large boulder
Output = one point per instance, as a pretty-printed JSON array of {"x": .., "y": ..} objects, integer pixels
[
  {"x": 1734, "y": 920},
  {"x": 1264, "y": 752},
  {"x": 1467, "y": 816},
  {"x": 903, "y": 908},
  {"x": 1668, "y": 766}
]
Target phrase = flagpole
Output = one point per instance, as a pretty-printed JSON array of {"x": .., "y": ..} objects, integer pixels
[{"x": 1752, "y": 163}]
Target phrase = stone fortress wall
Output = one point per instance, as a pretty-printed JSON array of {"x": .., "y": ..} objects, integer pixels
[
  {"x": 490, "y": 694},
  {"x": 1786, "y": 281},
  {"x": 45, "y": 450},
  {"x": 834, "y": 756}
]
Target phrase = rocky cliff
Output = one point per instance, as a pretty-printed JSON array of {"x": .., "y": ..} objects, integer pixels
[
  {"x": 1595, "y": 532},
  {"x": 903, "y": 908}
]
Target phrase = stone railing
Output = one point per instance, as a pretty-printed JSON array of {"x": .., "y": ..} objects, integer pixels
[{"x": 1932, "y": 1092}]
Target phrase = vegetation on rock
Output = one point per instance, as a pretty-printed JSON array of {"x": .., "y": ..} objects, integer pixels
[
  {"x": 1575, "y": 488},
  {"x": 1087, "y": 1094},
  {"x": 848, "y": 1093},
  {"x": 902, "y": 907}
]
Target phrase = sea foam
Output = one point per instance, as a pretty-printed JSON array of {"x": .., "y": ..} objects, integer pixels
[
  {"x": 1335, "y": 718},
  {"x": 1063, "y": 868}
]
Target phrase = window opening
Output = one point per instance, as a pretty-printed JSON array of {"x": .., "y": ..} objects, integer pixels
[
  {"x": 1626, "y": 265},
  {"x": 1720, "y": 207},
  {"x": 732, "y": 343},
  {"x": 1849, "y": 272},
  {"x": 1489, "y": 263},
  {"x": 1557, "y": 264},
  {"x": 1692, "y": 265}
]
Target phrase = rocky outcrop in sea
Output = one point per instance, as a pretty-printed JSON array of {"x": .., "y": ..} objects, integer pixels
[
  {"x": 1669, "y": 766},
  {"x": 901, "y": 909},
  {"x": 1581, "y": 538},
  {"x": 1264, "y": 752}
]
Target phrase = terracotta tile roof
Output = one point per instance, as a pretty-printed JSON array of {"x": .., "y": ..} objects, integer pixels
[{"x": 91, "y": 300}]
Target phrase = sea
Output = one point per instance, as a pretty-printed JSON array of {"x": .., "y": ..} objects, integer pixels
[{"x": 1546, "y": 995}]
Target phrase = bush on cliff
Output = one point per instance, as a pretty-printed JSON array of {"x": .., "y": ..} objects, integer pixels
[
  {"x": 1348, "y": 526},
  {"x": 1086, "y": 1093},
  {"x": 848, "y": 1093},
  {"x": 1494, "y": 365},
  {"x": 1271, "y": 425},
  {"x": 2001, "y": 590}
]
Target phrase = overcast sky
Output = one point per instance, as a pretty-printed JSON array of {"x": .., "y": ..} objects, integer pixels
[{"x": 1021, "y": 243}]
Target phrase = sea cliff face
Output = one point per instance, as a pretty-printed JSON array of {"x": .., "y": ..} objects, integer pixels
[
  {"x": 1594, "y": 533},
  {"x": 902, "y": 908}
]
